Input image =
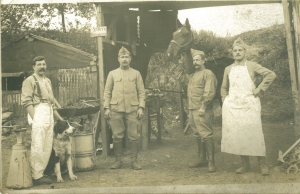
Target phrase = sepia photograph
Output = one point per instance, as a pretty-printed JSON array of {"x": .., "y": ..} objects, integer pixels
[{"x": 152, "y": 96}]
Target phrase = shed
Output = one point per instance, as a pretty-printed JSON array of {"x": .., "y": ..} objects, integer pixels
[
  {"x": 67, "y": 67},
  {"x": 153, "y": 22}
]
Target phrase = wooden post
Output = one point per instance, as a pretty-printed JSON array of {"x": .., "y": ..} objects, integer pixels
[
  {"x": 144, "y": 131},
  {"x": 290, "y": 40},
  {"x": 158, "y": 118},
  {"x": 182, "y": 115},
  {"x": 1, "y": 125},
  {"x": 105, "y": 138}
]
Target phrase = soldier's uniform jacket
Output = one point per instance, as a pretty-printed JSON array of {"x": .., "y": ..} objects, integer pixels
[
  {"x": 201, "y": 89},
  {"x": 124, "y": 90}
]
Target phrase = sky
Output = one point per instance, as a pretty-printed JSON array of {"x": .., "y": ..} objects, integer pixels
[
  {"x": 233, "y": 20},
  {"x": 223, "y": 20}
]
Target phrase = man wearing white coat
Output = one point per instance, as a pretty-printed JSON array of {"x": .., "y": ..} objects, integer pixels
[{"x": 241, "y": 112}]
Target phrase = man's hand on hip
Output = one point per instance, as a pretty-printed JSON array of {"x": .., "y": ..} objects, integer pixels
[
  {"x": 257, "y": 92},
  {"x": 140, "y": 113},
  {"x": 107, "y": 113}
]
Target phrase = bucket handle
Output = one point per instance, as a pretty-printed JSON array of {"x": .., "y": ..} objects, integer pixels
[{"x": 95, "y": 127}]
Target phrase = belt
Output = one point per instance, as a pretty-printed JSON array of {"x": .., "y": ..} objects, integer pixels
[{"x": 44, "y": 101}]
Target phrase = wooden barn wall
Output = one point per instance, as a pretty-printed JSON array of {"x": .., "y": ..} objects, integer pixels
[{"x": 68, "y": 86}]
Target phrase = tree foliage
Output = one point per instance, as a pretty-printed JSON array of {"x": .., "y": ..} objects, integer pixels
[
  {"x": 212, "y": 45},
  {"x": 18, "y": 19}
]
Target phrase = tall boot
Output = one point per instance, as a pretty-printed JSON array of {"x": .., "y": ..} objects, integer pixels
[
  {"x": 134, "y": 149},
  {"x": 209, "y": 145},
  {"x": 118, "y": 154},
  {"x": 245, "y": 165},
  {"x": 264, "y": 170},
  {"x": 201, "y": 161}
]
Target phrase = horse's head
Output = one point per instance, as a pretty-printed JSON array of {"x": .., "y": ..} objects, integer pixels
[{"x": 182, "y": 41}]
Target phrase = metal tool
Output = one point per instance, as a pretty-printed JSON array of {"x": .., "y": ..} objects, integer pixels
[{"x": 281, "y": 156}]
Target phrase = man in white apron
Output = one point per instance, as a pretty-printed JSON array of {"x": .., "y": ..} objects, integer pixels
[
  {"x": 201, "y": 90},
  {"x": 37, "y": 98},
  {"x": 241, "y": 112}
]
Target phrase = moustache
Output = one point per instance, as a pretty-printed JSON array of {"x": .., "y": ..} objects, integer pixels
[{"x": 43, "y": 69}]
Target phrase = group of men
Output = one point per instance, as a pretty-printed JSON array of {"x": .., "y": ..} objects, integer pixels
[{"x": 124, "y": 104}]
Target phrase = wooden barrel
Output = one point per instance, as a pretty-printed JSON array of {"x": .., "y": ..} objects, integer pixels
[{"x": 83, "y": 152}]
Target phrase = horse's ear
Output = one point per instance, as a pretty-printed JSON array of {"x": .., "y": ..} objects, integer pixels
[{"x": 187, "y": 24}]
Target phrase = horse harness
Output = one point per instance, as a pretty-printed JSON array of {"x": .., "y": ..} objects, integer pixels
[{"x": 184, "y": 45}]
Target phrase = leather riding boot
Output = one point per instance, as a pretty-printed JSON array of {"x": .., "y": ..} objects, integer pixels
[
  {"x": 134, "y": 149},
  {"x": 201, "y": 161},
  {"x": 264, "y": 170},
  {"x": 245, "y": 165},
  {"x": 209, "y": 145},
  {"x": 118, "y": 154}
]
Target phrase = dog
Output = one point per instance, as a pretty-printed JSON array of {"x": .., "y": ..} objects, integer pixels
[{"x": 61, "y": 151}]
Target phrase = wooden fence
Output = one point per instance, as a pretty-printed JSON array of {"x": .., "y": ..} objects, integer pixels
[{"x": 68, "y": 86}]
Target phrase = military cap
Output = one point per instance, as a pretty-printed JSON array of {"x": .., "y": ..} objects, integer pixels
[
  {"x": 197, "y": 52},
  {"x": 123, "y": 51},
  {"x": 239, "y": 42}
]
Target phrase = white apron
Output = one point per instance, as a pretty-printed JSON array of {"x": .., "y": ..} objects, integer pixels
[
  {"x": 241, "y": 116},
  {"x": 42, "y": 138}
]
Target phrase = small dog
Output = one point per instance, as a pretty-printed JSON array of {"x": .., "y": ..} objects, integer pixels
[{"x": 61, "y": 151}]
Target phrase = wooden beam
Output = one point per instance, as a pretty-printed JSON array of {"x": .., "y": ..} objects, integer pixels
[
  {"x": 105, "y": 138},
  {"x": 292, "y": 65},
  {"x": 1, "y": 120},
  {"x": 182, "y": 116}
]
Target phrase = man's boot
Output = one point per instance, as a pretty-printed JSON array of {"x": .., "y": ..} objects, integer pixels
[
  {"x": 245, "y": 165},
  {"x": 134, "y": 149},
  {"x": 209, "y": 145},
  {"x": 201, "y": 162},
  {"x": 118, "y": 154},
  {"x": 264, "y": 170}
]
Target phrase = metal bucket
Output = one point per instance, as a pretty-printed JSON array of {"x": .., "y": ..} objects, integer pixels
[{"x": 83, "y": 152}]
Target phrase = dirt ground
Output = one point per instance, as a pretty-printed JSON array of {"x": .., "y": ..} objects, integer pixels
[{"x": 166, "y": 163}]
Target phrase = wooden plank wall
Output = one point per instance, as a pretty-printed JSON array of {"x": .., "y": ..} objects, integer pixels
[
  {"x": 12, "y": 101},
  {"x": 73, "y": 84}
]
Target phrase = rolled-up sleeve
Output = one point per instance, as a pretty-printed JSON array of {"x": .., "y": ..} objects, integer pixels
[
  {"x": 108, "y": 90},
  {"x": 27, "y": 93},
  {"x": 140, "y": 90},
  {"x": 268, "y": 76},
  {"x": 209, "y": 89}
]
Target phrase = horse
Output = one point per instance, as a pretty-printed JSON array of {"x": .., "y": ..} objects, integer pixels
[{"x": 182, "y": 42}]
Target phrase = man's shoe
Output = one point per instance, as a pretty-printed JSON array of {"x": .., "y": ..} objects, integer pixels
[
  {"x": 264, "y": 170},
  {"x": 135, "y": 165},
  {"x": 41, "y": 181},
  {"x": 117, "y": 164},
  {"x": 201, "y": 161},
  {"x": 245, "y": 165},
  {"x": 118, "y": 149}
]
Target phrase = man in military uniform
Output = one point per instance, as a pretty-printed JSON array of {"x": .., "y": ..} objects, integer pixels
[
  {"x": 124, "y": 103},
  {"x": 201, "y": 90}
]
